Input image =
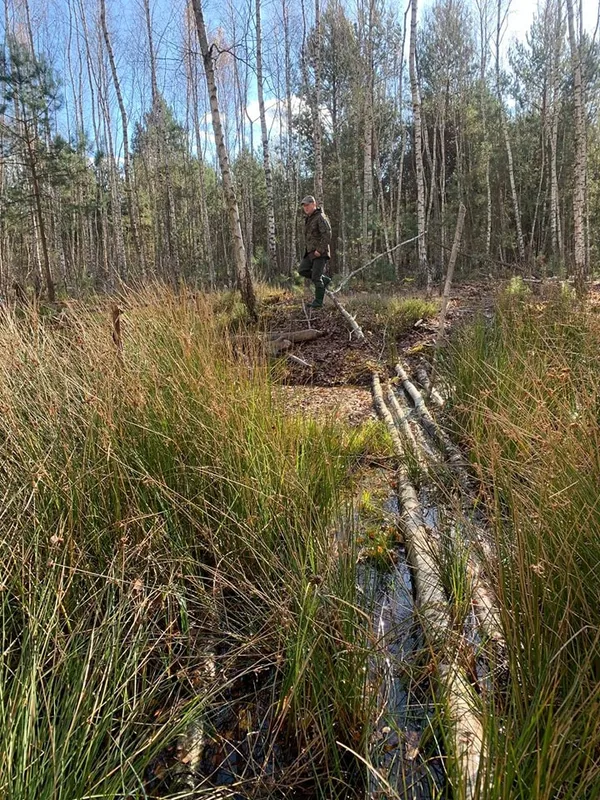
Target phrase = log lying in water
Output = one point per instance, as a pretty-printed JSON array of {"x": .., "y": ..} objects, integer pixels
[
  {"x": 484, "y": 603},
  {"x": 400, "y": 413},
  {"x": 456, "y": 692}
]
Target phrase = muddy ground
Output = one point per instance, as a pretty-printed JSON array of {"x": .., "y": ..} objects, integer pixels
[{"x": 338, "y": 379}]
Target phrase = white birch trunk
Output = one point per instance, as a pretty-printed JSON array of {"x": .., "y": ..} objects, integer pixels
[
  {"x": 580, "y": 165},
  {"x": 271, "y": 236},
  {"x": 291, "y": 167},
  {"x": 242, "y": 273},
  {"x": 133, "y": 214},
  {"x": 317, "y": 134},
  {"x": 507, "y": 144},
  {"x": 424, "y": 267}
]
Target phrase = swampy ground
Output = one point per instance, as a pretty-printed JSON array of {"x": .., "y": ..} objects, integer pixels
[{"x": 205, "y": 591}]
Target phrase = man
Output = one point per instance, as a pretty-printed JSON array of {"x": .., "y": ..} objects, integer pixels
[{"x": 317, "y": 238}]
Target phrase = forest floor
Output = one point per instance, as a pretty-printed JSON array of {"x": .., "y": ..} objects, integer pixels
[{"x": 338, "y": 379}]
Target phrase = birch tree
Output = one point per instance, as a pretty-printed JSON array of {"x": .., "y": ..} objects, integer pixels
[
  {"x": 244, "y": 279},
  {"x": 368, "y": 79},
  {"x": 579, "y": 199},
  {"x": 129, "y": 196},
  {"x": 424, "y": 267},
  {"x": 501, "y": 18},
  {"x": 271, "y": 235}
]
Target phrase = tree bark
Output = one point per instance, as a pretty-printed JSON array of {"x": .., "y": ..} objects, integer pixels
[
  {"x": 313, "y": 95},
  {"x": 207, "y": 247},
  {"x": 367, "y": 36},
  {"x": 424, "y": 267},
  {"x": 317, "y": 134},
  {"x": 271, "y": 236},
  {"x": 507, "y": 144},
  {"x": 243, "y": 276},
  {"x": 167, "y": 204},
  {"x": 124, "y": 126},
  {"x": 291, "y": 167},
  {"x": 580, "y": 165},
  {"x": 39, "y": 210}
]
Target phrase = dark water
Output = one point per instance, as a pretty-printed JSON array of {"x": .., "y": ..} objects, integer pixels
[{"x": 405, "y": 764}]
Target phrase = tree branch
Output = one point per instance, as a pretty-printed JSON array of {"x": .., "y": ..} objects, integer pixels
[{"x": 373, "y": 260}]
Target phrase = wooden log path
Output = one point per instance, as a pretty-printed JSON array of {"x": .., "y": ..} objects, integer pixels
[{"x": 456, "y": 693}]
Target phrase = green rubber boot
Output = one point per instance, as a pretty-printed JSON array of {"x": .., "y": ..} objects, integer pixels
[
  {"x": 319, "y": 295},
  {"x": 326, "y": 280}
]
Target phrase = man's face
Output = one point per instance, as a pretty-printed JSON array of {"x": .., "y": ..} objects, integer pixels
[{"x": 309, "y": 208}]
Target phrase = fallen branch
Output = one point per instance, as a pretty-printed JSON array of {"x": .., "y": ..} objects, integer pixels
[
  {"x": 354, "y": 326},
  {"x": 460, "y": 699},
  {"x": 276, "y": 347},
  {"x": 373, "y": 260},
  {"x": 300, "y": 361}
]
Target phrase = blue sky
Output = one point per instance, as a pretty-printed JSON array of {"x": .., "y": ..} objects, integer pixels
[{"x": 56, "y": 22}]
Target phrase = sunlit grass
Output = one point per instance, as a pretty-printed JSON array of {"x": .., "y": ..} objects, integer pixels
[
  {"x": 158, "y": 510},
  {"x": 526, "y": 403},
  {"x": 396, "y": 314}
]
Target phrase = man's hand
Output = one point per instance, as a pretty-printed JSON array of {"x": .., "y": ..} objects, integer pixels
[{"x": 317, "y": 254}]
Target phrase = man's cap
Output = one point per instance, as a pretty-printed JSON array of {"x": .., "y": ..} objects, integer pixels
[{"x": 307, "y": 200}]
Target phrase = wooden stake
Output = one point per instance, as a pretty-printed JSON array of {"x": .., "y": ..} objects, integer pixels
[{"x": 116, "y": 328}]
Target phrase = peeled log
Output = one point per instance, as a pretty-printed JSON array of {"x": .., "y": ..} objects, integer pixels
[
  {"x": 442, "y": 440},
  {"x": 423, "y": 378},
  {"x": 483, "y": 599},
  {"x": 401, "y": 415},
  {"x": 422, "y": 548}
]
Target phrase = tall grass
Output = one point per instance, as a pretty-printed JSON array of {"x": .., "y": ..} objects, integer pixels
[
  {"x": 158, "y": 511},
  {"x": 526, "y": 403}
]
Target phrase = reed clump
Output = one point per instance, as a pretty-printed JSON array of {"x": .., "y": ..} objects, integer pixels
[
  {"x": 160, "y": 515},
  {"x": 526, "y": 403}
]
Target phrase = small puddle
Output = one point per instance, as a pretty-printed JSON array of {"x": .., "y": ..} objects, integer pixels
[{"x": 401, "y": 752}]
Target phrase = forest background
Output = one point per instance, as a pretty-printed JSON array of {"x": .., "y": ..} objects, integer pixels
[{"x": 109, "y": 173}]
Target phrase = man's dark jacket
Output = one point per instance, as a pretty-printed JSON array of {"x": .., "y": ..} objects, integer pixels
[{"x": 317, "y": 233}]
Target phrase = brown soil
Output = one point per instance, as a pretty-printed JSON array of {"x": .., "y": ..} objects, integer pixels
[
  {"x": 338, "y": 360},
  {"x": 349, "y": 404}
]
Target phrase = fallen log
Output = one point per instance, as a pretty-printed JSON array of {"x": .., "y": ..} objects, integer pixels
[
  {"x": 401, "y": 416},
  {"x": 277, "y": 346},
  {"x": 440, "y": 437},
  {"x": 376, "y": 258},
  {"x": 456, "y": 692},
  {"x": 423, "y": 378},
  {"x": 485, "y": 605}
]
